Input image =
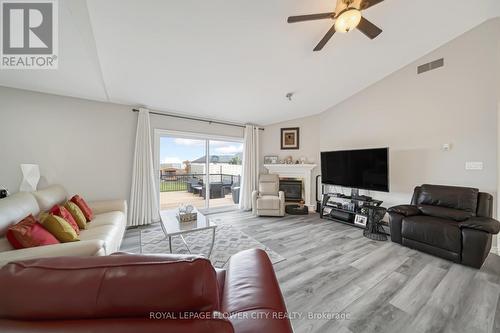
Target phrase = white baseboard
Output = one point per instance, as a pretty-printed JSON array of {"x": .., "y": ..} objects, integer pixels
[{"x": 494, "y": 249}]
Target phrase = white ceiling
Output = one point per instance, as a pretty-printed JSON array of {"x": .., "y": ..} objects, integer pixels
[{"x": 236, "y": 60}]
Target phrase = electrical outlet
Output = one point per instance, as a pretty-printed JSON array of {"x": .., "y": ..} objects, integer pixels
[{"x": 473, "y": 165}]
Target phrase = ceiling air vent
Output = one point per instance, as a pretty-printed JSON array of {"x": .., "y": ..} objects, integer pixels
[{"x": 430, "y": 66}]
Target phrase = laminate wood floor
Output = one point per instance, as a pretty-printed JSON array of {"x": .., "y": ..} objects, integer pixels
[{"x": 336, "y": 280}]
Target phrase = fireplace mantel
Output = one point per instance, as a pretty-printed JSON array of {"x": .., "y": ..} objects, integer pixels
[{"x": 303, "y": 171}]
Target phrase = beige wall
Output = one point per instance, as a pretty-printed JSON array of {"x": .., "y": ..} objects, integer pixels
[
  {"x": 414, "y": 115},
  {"x": 308, "y": 144},
  {"x": 86, "y": 146}
]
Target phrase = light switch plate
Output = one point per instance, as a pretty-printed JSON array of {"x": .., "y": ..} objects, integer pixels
[{"x": 473, "y": 165}]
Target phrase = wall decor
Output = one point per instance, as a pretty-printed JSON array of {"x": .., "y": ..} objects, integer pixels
[
  {"x": 271, "y": 159},
  {"x": 31, "y": 176},
  {"x": 290, "y": 138}
]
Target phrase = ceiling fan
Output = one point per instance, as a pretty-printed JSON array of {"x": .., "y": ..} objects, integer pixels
[{"x": 347, "y": 16}]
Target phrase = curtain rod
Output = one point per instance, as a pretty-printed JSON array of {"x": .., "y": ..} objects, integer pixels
[{"x": 195, "y": 119}]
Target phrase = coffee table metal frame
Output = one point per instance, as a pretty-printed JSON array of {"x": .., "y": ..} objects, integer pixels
[{"x": 169, "y": 235}]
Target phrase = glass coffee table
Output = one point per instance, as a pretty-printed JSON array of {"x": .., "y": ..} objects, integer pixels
[{"x": 171, "y": 226}]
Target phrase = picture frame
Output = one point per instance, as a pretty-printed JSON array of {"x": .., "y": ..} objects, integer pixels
[
  {"x": 360, "y": 220},
  {"x": 272, "y": 159},
  {"x": 290, "y": 138}
]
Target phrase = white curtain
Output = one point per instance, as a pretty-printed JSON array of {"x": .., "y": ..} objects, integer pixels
[
  {"x": 143, "y": 197},
  {"x": 250, "y": 172}
]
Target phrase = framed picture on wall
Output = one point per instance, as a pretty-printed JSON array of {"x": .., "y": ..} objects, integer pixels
[
  {"x": 290, "y": 138},
  {"x": 270, "y": 159}
]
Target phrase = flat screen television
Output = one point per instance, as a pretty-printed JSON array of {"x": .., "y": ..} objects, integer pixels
[{"x": 364, "y": 169}]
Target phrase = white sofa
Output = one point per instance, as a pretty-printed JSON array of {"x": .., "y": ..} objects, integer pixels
[{"x": 103, "y": 235}]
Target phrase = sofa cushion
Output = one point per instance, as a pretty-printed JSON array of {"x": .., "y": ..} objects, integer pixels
[
  {"x": 59, "y": 227},
  {"x": 269, "y": 184},
  {"x": 5, "y": 245},
  {"x": 250, "y": 283},
  {"x": 82, "y": 248},
  {"x": 250, "y": 290},
  {"x": 462, "y": 198},
  {"x": 15, "y": 208},
  {"x": 435, "y": 231},
  {"x": 445, "y": 213},
  {"x": 60, "y": 211},
  {"x": 121, "y": 325},
  {"x": 107, "y": 287},
  {"x": 268, "y": 188},
  {"x": 84, "y": 207},
  {"x": 108, "y": 227},
  {"x": 268, "y": 202},
  {"x": 111, "y": 218},
  {"x": 77, "y": 214},
  {"x": 50, "y": 196},
  {"x": 29, "y": 233},
  {"x": 110, "y": 234}
]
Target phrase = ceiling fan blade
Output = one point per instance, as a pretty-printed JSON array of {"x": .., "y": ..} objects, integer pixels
[
  {"x": 365, "y": 4},
  {"x": 369, "y": 29},
  {"x": 325, "y": 39},
  {"x": 311, "y": 17}
]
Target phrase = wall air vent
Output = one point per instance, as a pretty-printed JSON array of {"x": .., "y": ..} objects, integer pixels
[{"x": 430, "y": 66}]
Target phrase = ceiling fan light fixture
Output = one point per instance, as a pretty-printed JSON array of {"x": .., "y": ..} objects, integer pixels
[{"x": 347, "y": 20}]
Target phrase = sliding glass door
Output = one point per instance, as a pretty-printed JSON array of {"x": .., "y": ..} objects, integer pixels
[
  {"x": 180, "y": 180},
  {"x": 204, "y": 171},
  {"x": 225, "y": 172}
]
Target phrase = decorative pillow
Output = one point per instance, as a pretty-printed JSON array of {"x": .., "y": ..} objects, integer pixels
[
  {"x": 63, "y": 212},
  {"x": 78, "y": 200},
  {"x": 59, "y": 227},
  {"x": 29, "y": 233},
  {"x": 77, "y": 214}
]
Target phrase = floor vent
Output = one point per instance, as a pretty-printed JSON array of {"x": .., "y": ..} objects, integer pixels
[{"x": 430, "y": 66}]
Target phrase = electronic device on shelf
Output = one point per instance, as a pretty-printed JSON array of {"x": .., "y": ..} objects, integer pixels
[
  {"x": 347, "y": 209},
  {"x": 363, "y": 169}
]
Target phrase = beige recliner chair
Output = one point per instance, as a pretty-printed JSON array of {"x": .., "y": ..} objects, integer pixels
[{"x": 268, "y": 200}]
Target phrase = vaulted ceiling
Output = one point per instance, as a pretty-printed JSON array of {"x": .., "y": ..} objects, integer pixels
[{"x": 236, "y": 60}]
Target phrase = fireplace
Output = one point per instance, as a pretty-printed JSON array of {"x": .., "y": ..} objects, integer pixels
[
  {"x": 292, "y": 189},
  {"x": 296, "y": 171}
]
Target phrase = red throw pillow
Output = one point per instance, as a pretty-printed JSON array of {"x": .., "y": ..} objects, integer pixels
[
  {"x": 29, "y": 233},
  {"x": 87, "y": 212},
  {"x": 65, "y": 214}
]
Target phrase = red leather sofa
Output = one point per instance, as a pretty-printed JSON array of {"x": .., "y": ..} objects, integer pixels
[{"x": 142, "y": 293}]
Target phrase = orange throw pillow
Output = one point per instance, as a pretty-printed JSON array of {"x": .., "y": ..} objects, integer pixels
[
  {"x": 29, "y": 233},
  {"x": 65, "y": 214},
  {"x": 78, "y": 200}
]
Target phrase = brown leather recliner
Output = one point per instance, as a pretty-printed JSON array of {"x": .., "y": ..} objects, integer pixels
[
  {"x": 142, "y": 293},
  {"x": 450, "y": 222}
]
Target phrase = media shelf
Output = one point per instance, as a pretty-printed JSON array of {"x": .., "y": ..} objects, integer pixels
[{"x": 343, "y": 208}]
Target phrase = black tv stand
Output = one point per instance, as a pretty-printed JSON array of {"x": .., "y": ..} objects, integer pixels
[
  {"x": 343, "y": 208},
  {"x": 355, "y": 195},
  {"x": 362, "y": 198}
]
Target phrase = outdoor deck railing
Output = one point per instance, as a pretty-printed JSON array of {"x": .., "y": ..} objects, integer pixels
[{"x": 185, "y": 182}]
